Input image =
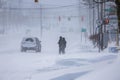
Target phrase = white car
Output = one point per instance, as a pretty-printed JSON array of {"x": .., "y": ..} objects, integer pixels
[{"x": 30, "y": 43}]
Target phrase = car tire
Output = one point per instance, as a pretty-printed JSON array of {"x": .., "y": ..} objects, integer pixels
[
  {"x": 37, "y": 49},
  {"x": 23, "y": 50}
]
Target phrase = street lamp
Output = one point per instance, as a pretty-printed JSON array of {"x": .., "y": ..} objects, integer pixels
[{"x": 41, "y": 21}]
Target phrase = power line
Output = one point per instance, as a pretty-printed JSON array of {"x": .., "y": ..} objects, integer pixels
[{"x": 56, "y": 7}]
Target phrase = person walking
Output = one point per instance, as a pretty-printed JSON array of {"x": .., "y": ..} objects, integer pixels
[
  {"x": 60, "y": 44},
  {"x": 63, "y": 45}
]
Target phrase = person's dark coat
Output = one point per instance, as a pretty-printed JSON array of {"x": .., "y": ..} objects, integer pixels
[
  {"x": 63, "y": 45},
  {"x": 60, "y": 43},
  {"x": 64, "y": 42}
]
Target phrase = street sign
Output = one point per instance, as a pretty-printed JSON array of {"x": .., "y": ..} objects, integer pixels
[
  {"x": 110, "y": 10},
  {"x": 83, "y": 30}
]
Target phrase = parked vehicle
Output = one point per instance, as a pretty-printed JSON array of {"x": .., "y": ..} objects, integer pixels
[{"x": 30, "y": 43}]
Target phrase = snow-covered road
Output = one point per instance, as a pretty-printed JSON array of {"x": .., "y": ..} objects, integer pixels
[{"x": 41, "y": 66}]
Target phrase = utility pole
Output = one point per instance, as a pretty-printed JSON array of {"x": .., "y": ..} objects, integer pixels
[
  {"x": 89, "y": 2},
  {"x": 100, "y": 18},
  {"x": 93, "y": 18},
  {"x": 41, "y": 21},
  {"x": 117, "y": 2},
  {"x": 2, "y": 17}
]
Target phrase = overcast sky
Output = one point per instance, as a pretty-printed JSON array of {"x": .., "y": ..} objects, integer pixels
[
  {"x": 59, "y": 2},
  {"x": 29, "y": 3},
  {"x": 50, "y": 2}
]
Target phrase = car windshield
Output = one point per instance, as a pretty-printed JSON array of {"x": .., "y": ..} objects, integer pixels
[{"x": 29, "y": 40}]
